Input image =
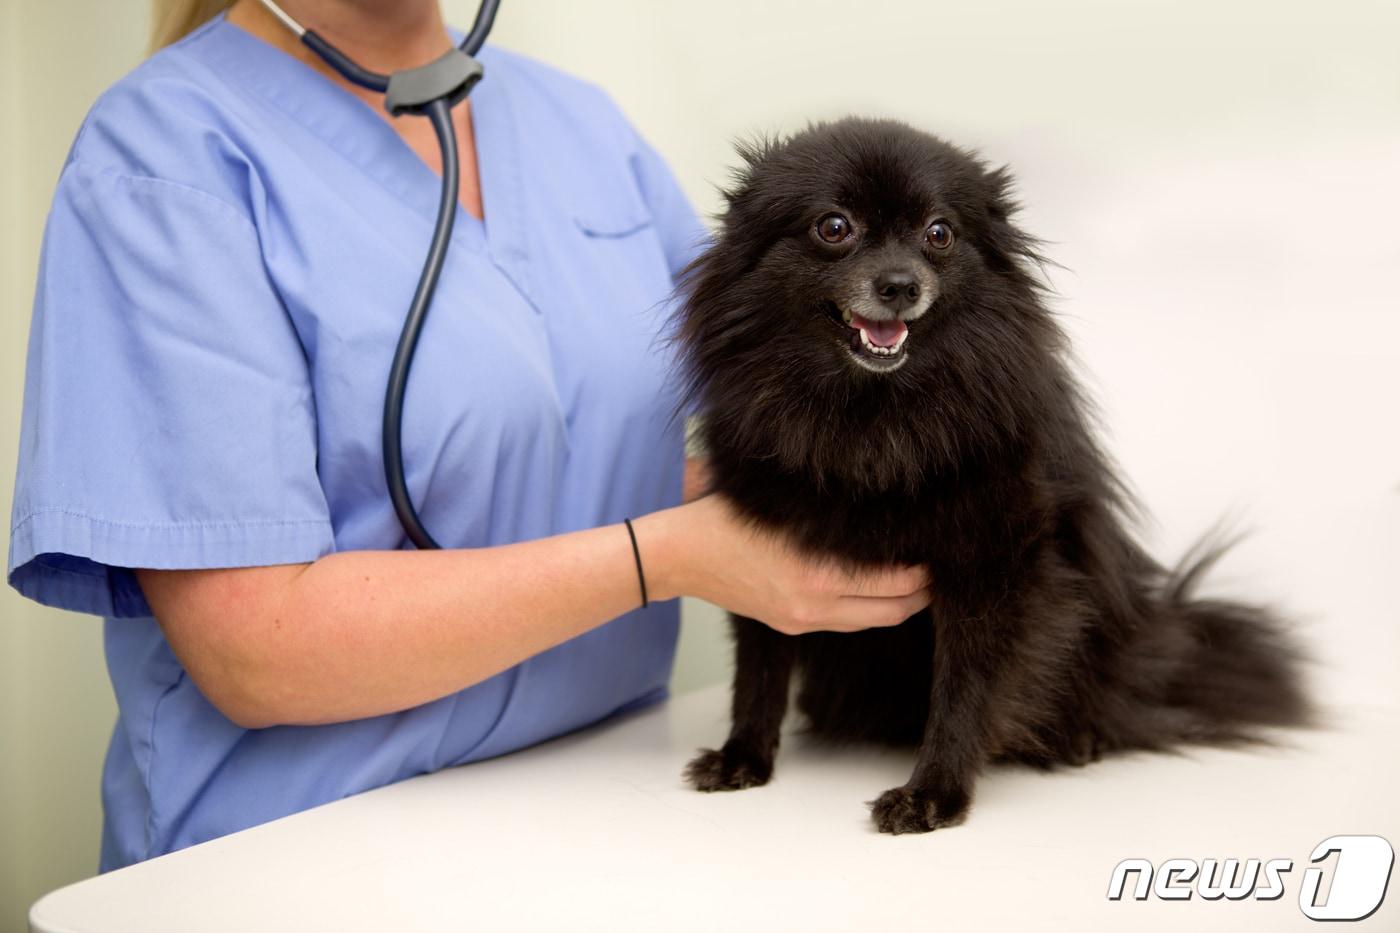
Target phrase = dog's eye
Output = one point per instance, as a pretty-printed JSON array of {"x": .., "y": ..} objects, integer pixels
[
  {"x": 939, "y": 234},
  {"x": 833, "y": 228}
]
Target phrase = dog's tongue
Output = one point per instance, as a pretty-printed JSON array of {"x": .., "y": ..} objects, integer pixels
[{"x": 881, "y": 333}]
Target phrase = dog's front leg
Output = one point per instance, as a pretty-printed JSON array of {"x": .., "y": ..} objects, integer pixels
[
  {"x": 966, "y": 661},
  {"x": 763, "y": 667}
]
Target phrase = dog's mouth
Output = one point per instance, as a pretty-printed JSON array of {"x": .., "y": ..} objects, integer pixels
[{"x": 876, "y": 345}]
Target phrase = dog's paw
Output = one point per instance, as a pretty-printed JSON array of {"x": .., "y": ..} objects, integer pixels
[
  {"x": 731, "y": 768},
  {"x": 1084, "y": 748},
  {"x": 907, "y": 810}
]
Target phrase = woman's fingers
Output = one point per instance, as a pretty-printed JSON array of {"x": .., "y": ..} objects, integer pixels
[
  {"x": 853, "y": 613},
  {"x": 837, "y": 598},
  {"x": 891, "y": 581}
]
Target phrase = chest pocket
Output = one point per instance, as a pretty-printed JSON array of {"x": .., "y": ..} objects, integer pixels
[
  {"x": 620, "y": 221},
  {"x": 610, "y": 205},
  {"x": 622, "y": 253},
  {"x": 619, "y": 307}
]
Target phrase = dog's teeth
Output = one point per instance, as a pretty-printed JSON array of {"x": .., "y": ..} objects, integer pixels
[
  {"x": 879, "y": 350},
  {"x": 846, "y": 316}
]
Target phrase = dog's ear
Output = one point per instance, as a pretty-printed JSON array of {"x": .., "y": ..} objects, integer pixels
[
  {"x": 1012, "y": 249},
  {"x": 756, "y": 149},
  {"x": 1001, "y": 205},
  {"x": 753, "y": 151}
]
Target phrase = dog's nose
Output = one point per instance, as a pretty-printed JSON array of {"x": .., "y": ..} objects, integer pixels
[{"x": 896, "y": 289}]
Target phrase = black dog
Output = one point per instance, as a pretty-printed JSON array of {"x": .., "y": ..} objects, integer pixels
[{"x": 881, "y": 381}]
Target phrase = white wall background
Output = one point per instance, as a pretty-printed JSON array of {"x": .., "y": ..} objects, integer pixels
[{"x": 1220, "y": 178}]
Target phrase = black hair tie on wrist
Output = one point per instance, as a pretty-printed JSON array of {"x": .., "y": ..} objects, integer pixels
[{"x": 637, "y": 553}]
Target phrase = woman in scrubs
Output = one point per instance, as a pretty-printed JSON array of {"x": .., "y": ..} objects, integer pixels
[{"x": 225, "y": 269}]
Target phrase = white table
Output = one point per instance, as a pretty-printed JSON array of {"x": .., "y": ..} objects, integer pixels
[{"x": 597, "y": 831}]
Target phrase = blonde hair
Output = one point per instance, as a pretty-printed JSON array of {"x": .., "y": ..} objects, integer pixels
[{"x": 172, "y": 20}]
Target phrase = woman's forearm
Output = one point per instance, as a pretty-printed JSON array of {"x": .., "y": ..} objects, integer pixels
[{"x": 362, "y": 633}]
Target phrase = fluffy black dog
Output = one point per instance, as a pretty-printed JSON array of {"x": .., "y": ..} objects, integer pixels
[{"x": 880, "y": 380}]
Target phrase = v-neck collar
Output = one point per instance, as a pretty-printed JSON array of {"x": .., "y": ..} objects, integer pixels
[{"x": 347, "y": 124}]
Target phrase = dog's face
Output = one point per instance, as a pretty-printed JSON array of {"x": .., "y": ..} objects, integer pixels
[
  {"x": 882, "y": 275},
  {"x": 865, "y": 250},
  {"x": 864, "y": 271}
]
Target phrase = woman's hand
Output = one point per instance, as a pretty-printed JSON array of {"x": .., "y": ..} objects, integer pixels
[{"x": 706, "y": 549}]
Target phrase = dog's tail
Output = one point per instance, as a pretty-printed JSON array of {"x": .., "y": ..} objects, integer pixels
[
  {"x": 1208, "y": 670},
  {"x": 1243, "y": 667}
]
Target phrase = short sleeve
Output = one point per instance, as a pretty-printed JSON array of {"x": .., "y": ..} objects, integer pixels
[{"x": 168, "y": 417}]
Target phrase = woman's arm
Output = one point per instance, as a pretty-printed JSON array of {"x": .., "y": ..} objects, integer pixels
[{"x": 361, "y": 633}]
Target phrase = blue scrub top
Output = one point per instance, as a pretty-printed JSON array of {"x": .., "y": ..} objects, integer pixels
[{"x": 230, "y": 252}]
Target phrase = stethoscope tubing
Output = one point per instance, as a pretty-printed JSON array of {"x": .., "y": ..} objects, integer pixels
[{"x": 439, "y": 114}]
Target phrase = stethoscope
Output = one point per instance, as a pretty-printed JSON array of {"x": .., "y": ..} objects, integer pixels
[{"x": 431, "y": 90}]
